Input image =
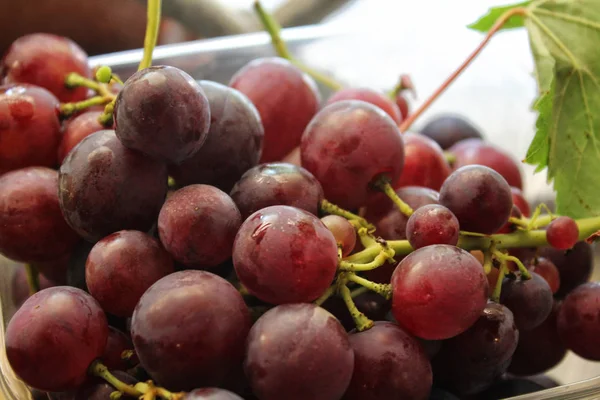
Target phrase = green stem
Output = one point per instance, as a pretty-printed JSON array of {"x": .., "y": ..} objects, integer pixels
[
  {"x": 377, "y": 262},
  {"x": 357, "y": 292},
  {"x": 361, "y": 320},
  {"x": 106, "y": 118},
  {"x": 523, "y": 223},
  {"x": 68, "y": 109},
  {"x": 501, "y": 273},
  {"x": 152, "y": 25},
  {"x": 98, "y": 369},
  {"x": 505, "y": 257},
  {"x": 328, "y": 293},
  {"x": 33, "y": 279},
  {"x": 74, "y": 80},
  {"x": 383, "y": 289},
  {"x": 383, "y": 184},
  {"x": 450, "y": 157},
  {"x": 330, "y": 208}
]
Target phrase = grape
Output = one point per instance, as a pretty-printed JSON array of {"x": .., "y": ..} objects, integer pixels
[
  {"x": 298, "y": 352},
  {"x": 122, "y": 266},
  {"x": 439, "y": 291},
  {"x": 211, "y": 394},
  {"x": 349, "y": 144},
  {"x": 432, "y": 224},
  {"x": 529, "y": 300},
  {"x": 540, "y": 348},
  {"x": 574, "y": 265},
  {"x": 388, "y": 364},
  {"x": 96, "y": 389},
  {"x": 293, "y": 157},
  {"x": 105, "y": 187},
  {"x": 509, "y": 227},
  {"x": 76, "y": 130},
  {"x": 277, "y": 184},
  {"x": 233, "y": 144},
  {"x": 189, "y": 330},
  {"x": 370, "y": 96},
  {"x": 286, "y": 99},
  {"x": 20, "y": 288},
  {"x": 471, "y": 361},
  {"x": 55, "y": 270},
  {"x": 578, "y": 321},
  {"x": 506, "y": 388},
  {"x": 373, "y": 305},
  {"x": 32, "y": 227},
  {"x": 431, "y": 347},
  {"x": 479, "y": 197},
  {"x": 162, "y": 112},
  {"x": 547, "y": 270},
  {"x": 474, "y": 151},
  {"x": 284, "y": 254},
  {"x": 562, "y": 233},
  {"x": 45, "y": 60},
  {"x": 449, "y": 129},
  {"x": 403, "y": 106},
  {"x": 29, "y": 127},
  {"x": 55, "y": 335},
  {"x": 197, "y": 225},
  {"x": 424, "y": 163},
  {"x": 520, "y": 201},
  {"x": 76, "y": 265},
  {"x": 343, "y": 232},
  {"x": 116, "y": 344}
]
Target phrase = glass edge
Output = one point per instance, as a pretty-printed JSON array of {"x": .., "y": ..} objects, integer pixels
[{"x": 586, "y": 389}]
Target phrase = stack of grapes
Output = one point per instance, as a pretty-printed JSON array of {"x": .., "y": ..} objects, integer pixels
[{"x": 204, "y": 241}]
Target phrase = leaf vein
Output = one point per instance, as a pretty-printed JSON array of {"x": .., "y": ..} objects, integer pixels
[{"x": 567, "y": 17}]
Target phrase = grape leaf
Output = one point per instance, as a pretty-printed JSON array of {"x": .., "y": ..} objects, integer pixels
[{"x": 484, "y": 23}]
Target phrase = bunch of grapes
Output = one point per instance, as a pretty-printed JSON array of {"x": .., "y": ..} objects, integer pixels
[{"x": 187, "y": 239}]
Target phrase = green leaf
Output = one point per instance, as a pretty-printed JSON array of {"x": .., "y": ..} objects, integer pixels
[
  {"x": 564, "y": 36},
  {"x": 484, "y": 23}
]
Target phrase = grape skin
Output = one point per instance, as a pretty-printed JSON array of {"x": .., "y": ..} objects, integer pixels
[
  {"x": 53, "y": 338},
  {"x": 20, "y": 288},
  {"x": 547, "y": 270},
  {"x": 76, "y": 130},
  {"x": 432, "y": 224},
  {"x": 520, "y": 201},
  {"x": 424, "y": 163},
  {"x": 211, "y": 394},
  {"x": 529, "y": 300},
  {"x": 562, "y": 233},
  {"x": 116, "y": 343},
  {"x": 373, "y": 305},
  {"x": 370, "y": 96},
  {"x": 448, "y": 129},
  {"x": 343, "y": 232},
  {"x": 574, "y": 265},
  {"x": 298, "y": 352}
]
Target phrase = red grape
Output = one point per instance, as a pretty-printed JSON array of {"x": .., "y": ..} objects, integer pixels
[
  {"x": 233, "y": 144},
  {"x": 579, "y": 321},
  {"x": 76, "y": 130},
  {"x": 562, "y": 233},
  {"x": 424, "y": 163},
  {"x": 479, "y": 197},
  {"x": 32, "y": 227},
  {"x": 343, "y": 232},
  {"x": 286, "y": 99},
  {"x": 368, "y": 95},
  {"x": 53, "y": 338},
  {"x": 162, "y": 112},
  {"x": 439, "y": 291},
  {"x": 211, "y": 394},
  {"x": 122, "y": 266},
  {"x": 116, "y": 344},
  {"x": 284, "y": 254},
  {"x": 20, "y": 288},
  {"x": 347, "y": 145},
  {"x": 471, "y": 361},
  {"x": 388, "y": 364},
  {"x": 529, "y": 300},
  {"x": 477, "y": 152},
  {"x": 540, "y": 348},
  {"x": 545, "y": 268},
  {"x": 574, "y": 265},
  {"x": 298, "y": 352},
  {"x": 197, "y": 225},
  {"x": 105, "y": 187},
  {"x": 520, "y": 201},
  {"x": 403, "y": 105},
  {"x": 29, "y": 127},
  {"x": 189, "y": 330},
  {"x": 449, "y": 129},
  {"x": 294, "y": 157},
  {"x": 277, "y": 184},
  {"x": 432, "y": 224},
  {"x": 509, "y": 227},
  {"x": 45, "y": 60}
]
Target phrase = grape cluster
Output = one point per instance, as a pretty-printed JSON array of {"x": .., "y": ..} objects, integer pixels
[{"x": 251, "y": 241}]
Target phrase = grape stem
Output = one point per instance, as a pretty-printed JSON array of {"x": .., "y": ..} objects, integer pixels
[
  {"x": 538, "y": 221},
  {"x": 383, "y": 183},
  {"x": 74, "y": 80},
  {"x": 498, "y": 288},
  {"x": 495, "y": 28},
  {"x": 68, "y": 109},
  {"x": 152, "y": 25},
  {"x": 525, "y": 274},
  {"x": 383, "y": 289},
  {"x": 357, "y": 292},
  {"x": 361, "y": 320},
  {"x": 385, "y": 253},
  {"x": 33, "y": 279},
  {"x": 330, "y": 208},
  {"x": 274, "y": 30},
  {"x": 487, "y": 259},
  {"x": 404, "y": 83},
  {"x": 450, "y": 157}
]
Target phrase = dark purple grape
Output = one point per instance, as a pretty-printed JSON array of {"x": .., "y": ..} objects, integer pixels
[
  {"x": 506, "y": 388},
  {"x": 211, "y": 394},
  {"x": 471, "y": 361},
  {"x": 53, "y": 338},
  {"x": 116, "y": 344},
  {"x": 95, "y": 389},
  {"x": 373, "y": 305},
  {"x": 284, "y": 254},
  {"x": 20, "y": 288},
  {"x": 348, "y": 145},
  {"x": 424, "y": 163},
  {"x": 547, "y": 270},
  {"x": 105, "y": 187},
  {"x": 479, "y": 197},
  {"x": 529, "y": 300},
  {"x": 32, "y": 227},
  {"x": 122, "y": 266},
  {"x": 431, "y": 347},
  {"x": 540, "y": 348},
  {"x": 439, "y": 291},
  {"x": 162, "y": 112},
  {"x": 440, "y": 394},
  {"x": 574, "y": 265},
  {"x": 55, "y": 270},
  {"x": 368, "y": 95},
  {"x": 286, "y": 99},
  {"x": 579, "y": 321},
  {"x": 388, "y": 364},
  {"x": 432, "y": 224},
  {"x": 562, "y": 233},
  {"x": 197, "y": 225},
  {"x": 76, "y": 265},
  {"x": 233, "y": 144},
  {"x": 277, "y": 184},
  {"x": 343, "y": 232},
  {"x": 298, "y": 352},
  {"x": 449, "y": 129},
  {"x": 189, "y": 330},
  {"x": 76, "y": 130}
]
